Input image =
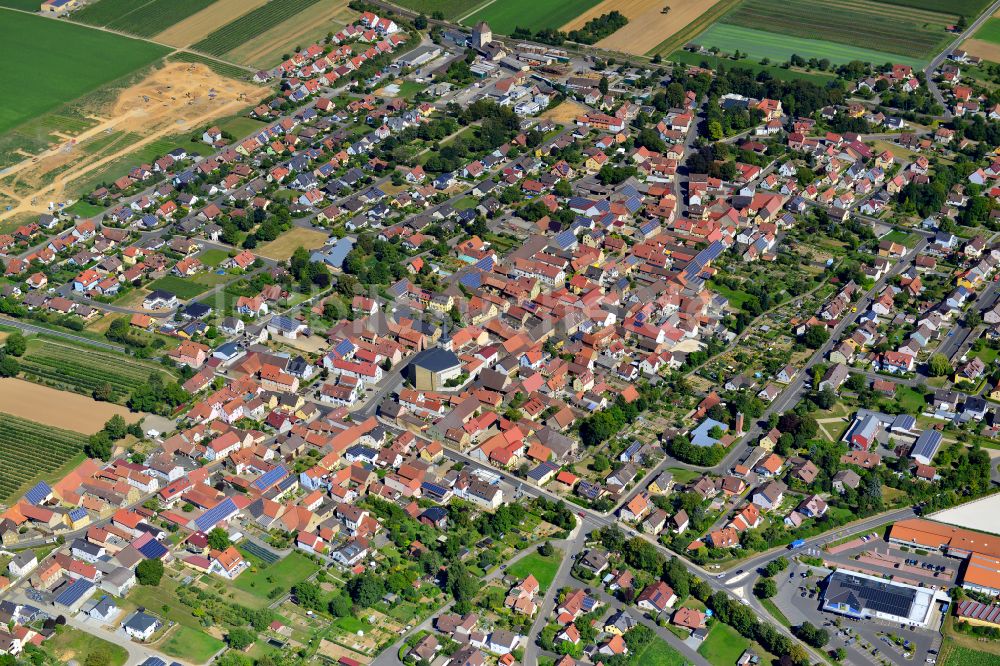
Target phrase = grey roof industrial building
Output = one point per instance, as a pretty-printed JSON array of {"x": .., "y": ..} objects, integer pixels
[{"x": 863, "y": 596}]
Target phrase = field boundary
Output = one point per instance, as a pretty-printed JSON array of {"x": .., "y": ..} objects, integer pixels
[{"x": 693, "y": 29}]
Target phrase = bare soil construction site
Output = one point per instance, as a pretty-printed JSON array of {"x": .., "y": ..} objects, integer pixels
[{"x": 172, "y": 100}]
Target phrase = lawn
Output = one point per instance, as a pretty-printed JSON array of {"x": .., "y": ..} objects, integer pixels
[
  {"x": 72, "y": 645},
  {"x": 503, "y": 17},
  {"x": 541, "y": 567},
  {"x": 757, "y": 44},
  {"x": 261, "y": 579},
  {"x": 682, "y": 476},
  {"x": 659, "y": 653},
  {"x": 98, "y": 58},
  {"x": 184, "y": 288},
  {"x": 857, "y": 23},
  {"x": 84, "y": 209},
  {"x": 192, "y": 646},
  {"x": 213, "y": 257},
  {"x": 908, "y": 239},
  {"x": 465, "y": 203},
  {"x": 724, "y": 645},
  {"x": 911, "y": 399},
  {"x": 736, "y": 298}
]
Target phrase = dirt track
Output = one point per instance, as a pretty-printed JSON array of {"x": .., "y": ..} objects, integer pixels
[
  {"x": 172, "y": 100},
  {"x": 648, "y": 26}
]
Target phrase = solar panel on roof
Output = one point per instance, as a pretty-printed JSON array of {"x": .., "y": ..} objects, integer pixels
[
  {"x": 38, "y": 493},
  {"x": 268, "y": 479},
  {"x": 215, "y": 515},
  {"x": 286, "y": 483},
  {"x": 78, "y": 514},
  {"x": 344, "y": 347},
  {"x": 472, "y": 280},
  {"x": 153, "y": 550},
  {"x": 74, "y": 592},
  {"x": 434, "y": 489},
  {"x": 485, "y": 264}
]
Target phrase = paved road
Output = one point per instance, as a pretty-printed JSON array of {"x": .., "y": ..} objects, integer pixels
[
  {"x": 31, "y": 328},
  {"x": 933, "y": 65}
]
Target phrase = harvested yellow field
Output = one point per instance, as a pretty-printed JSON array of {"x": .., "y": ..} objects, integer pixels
[
  {"x": 200, "y": 24},
  {"x": 302, "y": 29},
  {"x": 283, "y": 246},
  {"x": 647, "y": 25},
  {"x": 982, "y": 48},
  {"x": 60, "y": 409},
  {"x": 565, "y": 113}
]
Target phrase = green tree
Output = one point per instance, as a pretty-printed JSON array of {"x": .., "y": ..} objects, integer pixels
[
  {"x": 308, "y": 595},
  {"x": 815, "y": 336},
  {"x": 9, "y": 367},
  {"x": 149, "y": 572},
  {"x": 116, "y": 427},
  {"x": 16, "y": 344},
  {"x": 218, "y": 539},
  {"x": 939, "y": 366},
  {"x": 366, "y": 589},
  {"x": 99, "y": 445},
  {"x": 340, "y": 605},
  {"x": 765, "y": 588},
  {"x": 240, "y": 638}
]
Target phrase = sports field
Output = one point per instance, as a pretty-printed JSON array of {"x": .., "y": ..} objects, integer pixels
[
  {"x": 505, "y": 15},
  {"x": 906, "y": 31},
  {"x": 98, "y": 57},
  {"x": 139, "y": 17},
  {"x": 759, "y": 44}
]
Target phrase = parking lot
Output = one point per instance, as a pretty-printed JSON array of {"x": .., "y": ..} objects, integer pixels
[{"x": 800, "y": 598}]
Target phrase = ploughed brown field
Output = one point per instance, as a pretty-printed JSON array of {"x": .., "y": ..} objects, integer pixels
[{"x": 61, "y": 409}]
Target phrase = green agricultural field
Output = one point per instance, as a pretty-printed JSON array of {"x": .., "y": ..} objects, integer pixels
[
  {"x": 184, "y": 288},
  {"x": 759, "y": 44},
  {"x": 139, "y": 17},
  {"x": 910, "y": 32},
  {"x": 451, "y": 9},
  {"x": 29, "y": 450},
  {"x": 245, "y": 28},
  {"x": 956, "y": 655},
  {"x": 25, "y": 5},
  {"x": 990, "y": 31},
  {"x": 98, "y": 58},
  {"x": 966, "y": 8},
  {"x": 542, "y": 568},
  {"x": 82, "y": 369},
  {"x": 504, "y": 16}
]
